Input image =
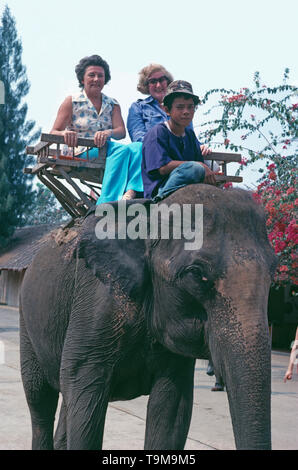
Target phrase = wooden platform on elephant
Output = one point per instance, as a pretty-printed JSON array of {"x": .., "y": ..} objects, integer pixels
[{"x": 76, "y": 182}]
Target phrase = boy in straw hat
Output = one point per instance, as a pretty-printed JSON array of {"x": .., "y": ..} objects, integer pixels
[{"x": 172, "y": 156}]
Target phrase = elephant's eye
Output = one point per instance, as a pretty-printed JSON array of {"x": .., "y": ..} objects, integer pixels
[
  {"x": 196, "y": 272},
  {"x": 197, "y": 275}
]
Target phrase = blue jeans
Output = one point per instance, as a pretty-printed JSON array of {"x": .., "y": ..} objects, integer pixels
[{"x": 184, "y": 174}]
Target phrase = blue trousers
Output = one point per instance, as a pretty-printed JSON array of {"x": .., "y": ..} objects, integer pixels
[
  {"x": 122, "y": 171},
  {"x": 184, "y": 174}
]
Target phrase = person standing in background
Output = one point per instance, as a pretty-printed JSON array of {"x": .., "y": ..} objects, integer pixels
[{"x": 293, "y": 359}]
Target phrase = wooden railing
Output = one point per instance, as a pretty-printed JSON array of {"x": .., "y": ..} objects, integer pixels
[{"x": 54, "y": 169}]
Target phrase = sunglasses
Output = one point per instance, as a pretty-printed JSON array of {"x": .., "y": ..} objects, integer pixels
[{"x": 154, "y": 81}]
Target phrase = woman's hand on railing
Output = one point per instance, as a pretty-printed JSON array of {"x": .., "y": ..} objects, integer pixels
[
  {"x": 70, "y": 138},
  {"x": 101, "y": 137}
]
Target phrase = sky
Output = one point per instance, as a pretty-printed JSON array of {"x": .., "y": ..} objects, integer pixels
[{"x": 212, "y": 44}]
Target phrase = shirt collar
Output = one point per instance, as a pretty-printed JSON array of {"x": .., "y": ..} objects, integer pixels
[
  {"x": 83, "y": 97},
  {"x": 149, "y": 99},
  {"x": 152, "y": 100},
  {"x": 80, "y": 96}
]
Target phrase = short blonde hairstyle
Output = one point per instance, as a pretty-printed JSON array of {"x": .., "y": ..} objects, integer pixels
[{"x": 145, "y": 73}]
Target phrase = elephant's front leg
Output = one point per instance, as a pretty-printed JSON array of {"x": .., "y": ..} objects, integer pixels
[
  {"x": 170, "y": 404},
  {"x": 85, "y": 388},
  {"x": 86, "y": 396}
]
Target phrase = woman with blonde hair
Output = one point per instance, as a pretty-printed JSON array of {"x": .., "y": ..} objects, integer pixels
[{"x": 146, "y": 113}]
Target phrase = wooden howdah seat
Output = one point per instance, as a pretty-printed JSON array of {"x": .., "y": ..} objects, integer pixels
[{"x": 76, "y": 182}]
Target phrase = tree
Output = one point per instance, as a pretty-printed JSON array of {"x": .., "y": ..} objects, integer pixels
[
  {"x": 262, "y": 124},
  {"x": 16, "y": 132},
  {"x": 45, "y": 209}
]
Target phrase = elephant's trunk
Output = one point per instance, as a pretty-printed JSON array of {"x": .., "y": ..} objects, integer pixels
[
  {"x": 249, "y": 393},
  {"x": 241, "y": 352}
]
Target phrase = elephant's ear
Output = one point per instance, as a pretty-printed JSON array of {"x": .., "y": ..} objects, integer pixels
[{"x": 117, "y": 261}]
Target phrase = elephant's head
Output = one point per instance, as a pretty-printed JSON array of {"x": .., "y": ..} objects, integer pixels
[{"x": 208, "y": 300}]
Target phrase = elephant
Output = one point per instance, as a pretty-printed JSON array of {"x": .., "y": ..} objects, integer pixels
[{"x": 105, "y": 318}]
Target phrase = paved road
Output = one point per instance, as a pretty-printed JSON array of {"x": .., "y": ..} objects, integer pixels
[{"x": 125, "y": 424}]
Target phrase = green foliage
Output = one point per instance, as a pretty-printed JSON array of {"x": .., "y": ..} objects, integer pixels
[
  {"x": 262, "y": 124},
  {"x": 16, "y": 132},
  {"x": 267, "y": 114},
  {"x": 45, "y": 209}
]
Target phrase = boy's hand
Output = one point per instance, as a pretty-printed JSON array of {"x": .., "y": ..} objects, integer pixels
[
  {"x": 205, "y": 150},
  {"x": 209, "y": 175}
]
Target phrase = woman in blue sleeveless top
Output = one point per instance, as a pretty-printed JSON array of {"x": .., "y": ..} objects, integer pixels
[{"x": 92, "y": 114}]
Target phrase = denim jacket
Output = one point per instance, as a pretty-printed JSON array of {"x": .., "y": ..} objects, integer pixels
[{"x": 142, "y": 116}]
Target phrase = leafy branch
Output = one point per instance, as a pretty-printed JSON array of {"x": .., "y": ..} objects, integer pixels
[{"x": 266, "y": 118}]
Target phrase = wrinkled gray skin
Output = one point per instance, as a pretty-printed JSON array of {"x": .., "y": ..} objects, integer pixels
[{"x": 105, "y": 320}]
